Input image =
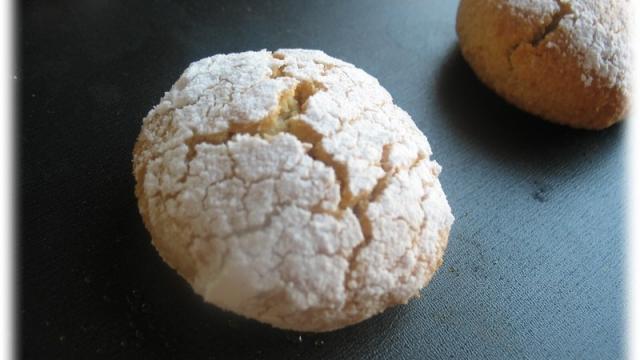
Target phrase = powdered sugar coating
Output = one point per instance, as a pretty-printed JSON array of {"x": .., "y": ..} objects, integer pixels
[
  {"x": 287, "y": 187},
  {"x": 597, "y": 33}
]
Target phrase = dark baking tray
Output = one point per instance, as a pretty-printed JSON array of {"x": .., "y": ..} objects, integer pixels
[{"x": 534, "y": 267}]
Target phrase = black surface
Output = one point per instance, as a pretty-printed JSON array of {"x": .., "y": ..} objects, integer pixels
[{"x": 534, "y": 266}]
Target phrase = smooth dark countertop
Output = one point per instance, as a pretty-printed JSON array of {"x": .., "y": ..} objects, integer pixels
[{"x": 534, "y": 267}]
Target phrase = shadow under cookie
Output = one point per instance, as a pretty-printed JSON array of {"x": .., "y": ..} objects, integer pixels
[{"x": 482, "y": 121}]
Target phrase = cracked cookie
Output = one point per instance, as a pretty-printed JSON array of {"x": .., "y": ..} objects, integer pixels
[
  {"x": 287, "y": 187},
  {"x": 567, "y": 61}
]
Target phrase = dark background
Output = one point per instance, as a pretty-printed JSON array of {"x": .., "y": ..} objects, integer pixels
[{"x": 534, "y": 267}]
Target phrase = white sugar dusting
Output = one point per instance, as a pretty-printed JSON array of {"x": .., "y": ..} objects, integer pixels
[
  {"x": 586, "y": 79},
  {"x": 597, "y": 32}
]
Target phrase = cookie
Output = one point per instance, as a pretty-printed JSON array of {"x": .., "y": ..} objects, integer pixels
[
  {"x": 565, "y": 61},
  {"x": 287, "y": 187}
]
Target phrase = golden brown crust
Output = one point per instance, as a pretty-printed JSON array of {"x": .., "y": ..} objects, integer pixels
[
  {"x": 524, "y": 58},
  {"x": 173, "y": 257}
]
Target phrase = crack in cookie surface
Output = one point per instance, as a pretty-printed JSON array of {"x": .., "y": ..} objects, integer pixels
[{"x": 564, "y": 10}]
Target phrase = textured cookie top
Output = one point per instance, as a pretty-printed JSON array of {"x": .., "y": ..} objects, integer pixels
[
  {"x": 596, "y": 32},
  {"x": 289, "y": 188}
]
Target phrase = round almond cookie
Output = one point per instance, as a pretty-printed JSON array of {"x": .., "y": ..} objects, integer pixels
[
  {"x": 567, "y": 61},
  {"x": 287, "y": 187}
]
